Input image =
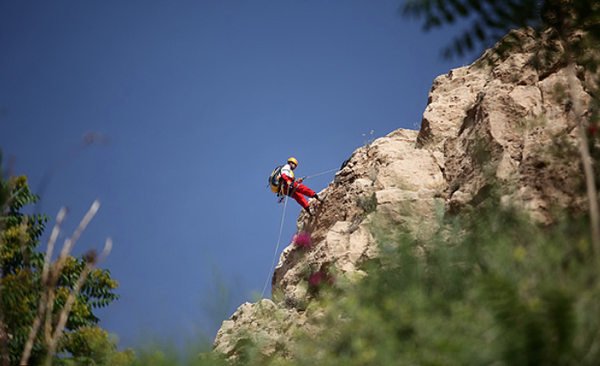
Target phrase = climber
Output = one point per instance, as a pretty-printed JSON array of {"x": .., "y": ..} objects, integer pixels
[{"x": 295, "y": 189}]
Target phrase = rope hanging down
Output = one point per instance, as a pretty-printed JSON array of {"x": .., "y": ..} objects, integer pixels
[{"x": 276, "y": 248}]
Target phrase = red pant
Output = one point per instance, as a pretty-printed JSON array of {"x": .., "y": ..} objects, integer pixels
[{"x": 298, "y": 194}]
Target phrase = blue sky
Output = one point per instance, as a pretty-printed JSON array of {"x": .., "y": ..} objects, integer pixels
[{"x": 199, "y": 100}]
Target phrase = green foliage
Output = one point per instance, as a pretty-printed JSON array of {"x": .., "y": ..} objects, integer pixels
[
  {"x": 91, "y": 346},
  {"x": 491, "y": 288},
  {"x": 18, "y": 228},
  {"x": 367, "y": 203},
  {"x": 492, "y": 19},
  {"x": 157, "y": 354},
  {"x": 21, "y": 265}
]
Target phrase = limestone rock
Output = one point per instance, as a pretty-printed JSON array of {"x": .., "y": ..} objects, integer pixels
[
  {"x": 390, "y": 179},
  {"x": 511, "y": 119},
  {"x": 503, "y": 122},
  {"x": 262, "y": 323}
]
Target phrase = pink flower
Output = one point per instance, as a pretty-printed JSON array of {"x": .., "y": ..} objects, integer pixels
[
  {"x": 320, "y": 278},
  {"x": 315, "y": 279},
  {"x": 302, "y": 240}
]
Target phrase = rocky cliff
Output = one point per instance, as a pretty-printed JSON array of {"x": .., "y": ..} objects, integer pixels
[{"x": 500, "y": 121}]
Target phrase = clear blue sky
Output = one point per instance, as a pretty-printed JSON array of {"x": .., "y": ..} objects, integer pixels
[{"x": 200, "y": 99}]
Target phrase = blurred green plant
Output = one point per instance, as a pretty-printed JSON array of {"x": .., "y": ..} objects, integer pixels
[
  {"x": 161, "y": 353},
  {"x": 367, "y": 204},
  {"x": 92, "y": 346},
  {"x": 492, "y": 287},
  {"x": 37, "y": 293},
  {"x": 491, "y": 20}
]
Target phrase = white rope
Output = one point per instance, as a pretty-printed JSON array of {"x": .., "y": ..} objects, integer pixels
[
  {"x": 276, "y": 247},
  {"x": 316, "y": 175}
]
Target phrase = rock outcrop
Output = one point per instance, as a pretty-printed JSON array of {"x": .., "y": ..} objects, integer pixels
[{"x": 502, "y": 123}]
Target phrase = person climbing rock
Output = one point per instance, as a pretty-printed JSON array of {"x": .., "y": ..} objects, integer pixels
[{"x": 295, "y": 189}]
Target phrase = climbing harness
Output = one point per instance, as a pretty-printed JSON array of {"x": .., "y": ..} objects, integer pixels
[
  {"x": 276, "y": 248},
  {"x": 293, "y": 189}
]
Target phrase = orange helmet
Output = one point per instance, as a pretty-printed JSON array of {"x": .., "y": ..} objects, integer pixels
[{"x": 292, "y": 160}]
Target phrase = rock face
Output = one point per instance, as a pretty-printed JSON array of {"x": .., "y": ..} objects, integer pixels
[
  {"x": 484, "y": 124},
  {"x": 263, "y": 323},
  {"x": 390, "y": 179}
]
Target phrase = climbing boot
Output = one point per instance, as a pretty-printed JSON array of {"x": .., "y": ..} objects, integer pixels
[
  {"x": 321, "y": 199},
  {"x": 310, "y": 211}
]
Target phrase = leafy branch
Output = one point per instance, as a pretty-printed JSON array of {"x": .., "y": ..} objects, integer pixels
[{"x": 41, "y": 300}]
